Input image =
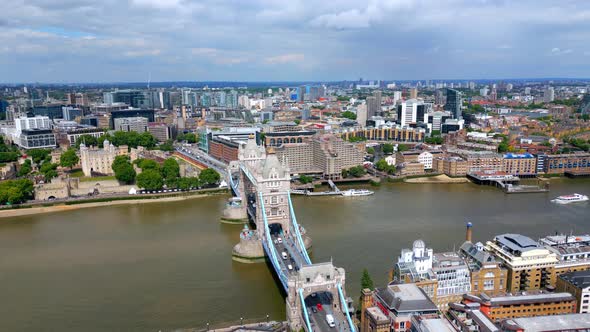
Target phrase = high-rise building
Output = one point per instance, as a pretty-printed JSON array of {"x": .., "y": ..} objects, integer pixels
[
  {"x": 549, "y": 94},
  {"x": 397, "y": 96},
  {"x": 361, "y": 115},
  {"x": 413, "y": 93},
  {"x": 301, "y": 94},
  {"x": 439, "y": 97},
  {"x": 70, "y": 113},
  {"x": 133, "y": 98},
  {"x": 453, "y": 103},
  {"x": 411, "y": 111}
]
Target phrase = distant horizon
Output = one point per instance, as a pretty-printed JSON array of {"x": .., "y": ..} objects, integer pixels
[{"x": 432, "y": 80}]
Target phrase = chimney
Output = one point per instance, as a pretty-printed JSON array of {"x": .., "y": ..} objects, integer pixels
[{"x": 468, "y": 232}]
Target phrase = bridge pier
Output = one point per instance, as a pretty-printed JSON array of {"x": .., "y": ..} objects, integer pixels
[
  {"x": 249, "y": 249},
  {"x": 234, "y": 213}
]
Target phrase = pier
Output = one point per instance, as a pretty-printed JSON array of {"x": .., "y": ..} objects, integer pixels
[
  {"x": 333, "y": 192},
  {"x": 510, "y": 184}
]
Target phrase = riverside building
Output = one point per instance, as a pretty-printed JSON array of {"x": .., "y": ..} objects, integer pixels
[
  {"x": 530, "y": 266},
  {"x": 577, "y": 284}
]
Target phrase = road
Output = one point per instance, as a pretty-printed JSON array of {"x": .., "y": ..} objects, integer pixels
[
  {"x": 194, "y": 152},
  {"x": 318, "y": 318}
]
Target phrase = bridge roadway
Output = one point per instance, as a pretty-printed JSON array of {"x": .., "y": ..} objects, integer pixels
[{"x": 314, "y": 315}]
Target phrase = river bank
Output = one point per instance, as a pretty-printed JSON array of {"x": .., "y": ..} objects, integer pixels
[
  {"x": 40, "y": 208},
  {"x": 437, "y": 179}
]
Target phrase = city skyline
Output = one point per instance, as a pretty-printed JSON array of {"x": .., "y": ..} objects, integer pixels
[{"x": 81, "y": 41}]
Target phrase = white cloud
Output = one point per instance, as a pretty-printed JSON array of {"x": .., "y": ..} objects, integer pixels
[
  {"x": 142, "y": 53},
  {"x": 352, "y": 18},
  {"x": 160, "y": 4},
  {"x": 285, "y": 58},
  {"x": 558, "y": 51}
]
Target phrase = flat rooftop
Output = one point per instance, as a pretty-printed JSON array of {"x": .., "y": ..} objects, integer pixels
[{"x": 570, "y": 322}]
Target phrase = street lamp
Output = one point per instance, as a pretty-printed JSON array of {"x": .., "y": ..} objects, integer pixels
[
  {"x": 241, "y": 321},
  {"x": 207, "y": 326},
  {"x": 267, "y": 318}
]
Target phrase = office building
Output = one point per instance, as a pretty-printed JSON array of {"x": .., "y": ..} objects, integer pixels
[
  {"x": 439, "y": 97},
  {"x": 50, "y": 111},
  {"x": 577, "y": 284},
  {"x": 36, "y": 139},
  {"x": 136, "y": 124},
  {"x": 70, "y": 113},
  {"x": 530, "y": 266},
  {"x": 436, "y": 120},
  {"x": 131, "y": 113},
  {"x": 413, "y": 93},
  {"x": 133, "y": 98},
  {"x": 530, "y": 304},
  {"x": 411, "y": 112},
  {"x": 453, "y": 278},
  {"x": 397, "y": 96},
  {"x": 161, "y": 131},
  {"x": 326, "y": 155},
  {"x": 453, "y": 103}
]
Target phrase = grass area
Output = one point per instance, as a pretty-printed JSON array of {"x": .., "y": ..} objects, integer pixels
[
  {"x": 77, "y": 173},
  {"x": 97, "y": 178}
]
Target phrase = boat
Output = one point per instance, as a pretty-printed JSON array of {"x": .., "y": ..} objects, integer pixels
[
  {"x": 573, "y": 198},
  {"x": 357, "y": 192}
]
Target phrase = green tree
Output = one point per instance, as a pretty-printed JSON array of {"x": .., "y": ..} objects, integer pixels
[
  {"x": 50, "y": 174},
  {"x": 125, "y": 173},
  {"x": 366, "y": 281},
  {"x": 146, "y": 164},
  {"x": 371, "y": 150},
  {"x": 381, "y": 165},
  {"x": 188, "y": 137},
  {"x": 402, "y": 147},
  {"x": 150, "y": 179},
  {"x": 25, "y": 168},
  {"x": 305, "y": 179},
  {"x": 349, "y": 115},
  {"x": 357, "y": 171},
  {"x": 209, "y": 177},
  {"x": 69, "y": 158},
  {"x": 8, "y": 156},
  {"x": 188, "y": 183},
  {"x": 88, "y": 140},
  {"x": 39, "y": 155},
  {"x": 170, "y": 169},
  {"x": 387, "y": 148},
  {"x": 166, "y": 146},
  {"x": 355, "y": 139},
  {"x": 344, "y": 173},
  {"x": 16, "y": 191},
  {"x": 119, "y": 161}
]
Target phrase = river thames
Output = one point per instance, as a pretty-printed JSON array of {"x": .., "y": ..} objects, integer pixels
[{"x": 164, "y": 266}]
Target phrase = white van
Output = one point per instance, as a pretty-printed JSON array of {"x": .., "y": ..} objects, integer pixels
[
  {"x": 330, "y": 320},
  {"x": 284, "y": 254},
  {"x": 290, "y": 267}
]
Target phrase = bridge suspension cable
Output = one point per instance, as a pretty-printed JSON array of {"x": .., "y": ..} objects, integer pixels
[
  {"x": 344, "y": 307},
  {"x": 271, "y": 251},
  {"x": 304, "y": 310},
  {"x": 297, "y": 232}
]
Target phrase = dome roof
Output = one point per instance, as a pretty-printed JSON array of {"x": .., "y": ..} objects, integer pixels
[{"x": 419, "y": 244}]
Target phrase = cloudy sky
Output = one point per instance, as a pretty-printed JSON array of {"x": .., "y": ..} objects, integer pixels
[{"x": 260, "y": 40}]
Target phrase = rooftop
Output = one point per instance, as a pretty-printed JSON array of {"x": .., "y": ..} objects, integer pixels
[
  {"x": 580, "y": 279},
  {"x": 549, "y": 323},
  {"x": 517, "y": 242},
  {"x": 405, "y": 298}
]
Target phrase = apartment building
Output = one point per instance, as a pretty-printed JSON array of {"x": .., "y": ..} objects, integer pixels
[
  {"x": 530, "y": 265},
  {"x": 385, "y": 133},
  {"x": 451, "y": 166},
  {"x": 523, "y": 164},
  {"x": 577, "y": 284},
  {"x": 573, "y": 252},
  {"x": 573, "y": 163},
  {"x": 486, "y": 273},
  {"x": 529, "y": 304}
]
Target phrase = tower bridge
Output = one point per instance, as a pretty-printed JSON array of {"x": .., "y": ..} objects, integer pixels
[{"x": 260, "y": 183}]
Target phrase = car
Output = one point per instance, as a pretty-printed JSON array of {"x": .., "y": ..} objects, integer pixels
[
  {"x": 314, "y": 294},
  {"x": 330, "y": 320},
  {"x": 319, "y": 306},
  {"x": 284, "y": 254},
  {"x": 280, "y": 240},
  {"x": 314, "y": 310},
  {"x": 290, "y": 267}
]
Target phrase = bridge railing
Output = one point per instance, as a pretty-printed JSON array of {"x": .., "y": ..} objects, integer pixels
[
  {"x": 297, "y": 232},
  {"x": 344, "y": 307},
  {"x": 271, "y": 251},
  {"x": 304, "y": 310},
  {"x": 248, "y": 174}
]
